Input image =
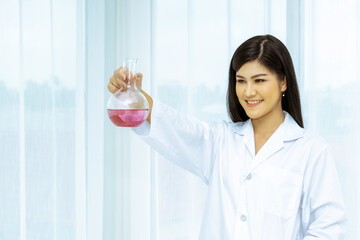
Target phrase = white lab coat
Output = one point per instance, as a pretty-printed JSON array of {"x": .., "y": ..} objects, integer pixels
[{"x": 289, "y": 190}]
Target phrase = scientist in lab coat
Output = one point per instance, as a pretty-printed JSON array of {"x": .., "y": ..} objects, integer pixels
[{"x": 268, "y": 177}]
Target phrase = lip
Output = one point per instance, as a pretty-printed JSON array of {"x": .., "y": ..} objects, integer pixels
[{"x": 253, "y": 105}]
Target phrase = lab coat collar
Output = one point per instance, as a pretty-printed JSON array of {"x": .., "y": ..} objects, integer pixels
[{"x": 291, "y": 130}]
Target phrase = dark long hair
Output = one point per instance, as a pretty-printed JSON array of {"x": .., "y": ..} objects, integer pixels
[{"x": 272, "y": 53}]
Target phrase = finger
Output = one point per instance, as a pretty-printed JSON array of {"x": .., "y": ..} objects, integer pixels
[
  {"x": 118, "y": 82},
  {"x": 139, "y": 75},
  {"x": 115, "y": 89},
  {"x": 120, "y": 74},
  {"x": 117, "y": 72},
  {"x": 124, "y": 72},
  {"x": 114, "y": 82},
  {"x": 112, "y": 88}
]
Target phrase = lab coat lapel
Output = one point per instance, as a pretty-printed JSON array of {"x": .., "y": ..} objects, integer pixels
[
  {"x": 273, "y": 145},
  {"x": 248, "y": 133},
  {"x": 289, "y": 130}
]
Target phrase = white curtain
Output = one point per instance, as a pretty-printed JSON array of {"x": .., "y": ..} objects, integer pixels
[
  {"x": 330, "y": 86},
  {"x": 52, "y": 119},
  {"x": 67, "y": 173}
]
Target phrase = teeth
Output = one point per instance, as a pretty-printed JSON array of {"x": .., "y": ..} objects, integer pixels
[{"x": 253, "y": 102}]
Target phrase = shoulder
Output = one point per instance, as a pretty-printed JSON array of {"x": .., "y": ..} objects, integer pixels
[
  {"x": 238, "y": 127},
  {"x": 233, "y": 125},
  {"x": 224, "y": 128},
  {"x": 316, "y": 150},
  {"x": 314, "y": 141},
  {"x": 304, "y": 143},
  {"x": 305, "y": 139}
]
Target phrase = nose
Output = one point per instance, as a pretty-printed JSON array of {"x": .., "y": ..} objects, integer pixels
[{"x": 250, "y": 90}]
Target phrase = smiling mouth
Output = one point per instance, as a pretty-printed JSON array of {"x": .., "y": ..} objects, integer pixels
[{"x": 253, "y": 103}]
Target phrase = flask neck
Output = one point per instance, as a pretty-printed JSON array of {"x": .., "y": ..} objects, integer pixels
[{"x": 131, "y": 85}]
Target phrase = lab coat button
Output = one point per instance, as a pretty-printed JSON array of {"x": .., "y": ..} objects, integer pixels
[
  {"x": 243, "y": 218},
  {"x": 249, "y": 176}
]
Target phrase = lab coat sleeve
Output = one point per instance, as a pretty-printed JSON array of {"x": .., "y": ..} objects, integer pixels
[
  {"x": 184, "y": 140},
  {"x": 323, "y": 211}
]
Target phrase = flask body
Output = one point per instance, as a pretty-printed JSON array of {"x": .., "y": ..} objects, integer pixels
[{"x": 128, "y": 107}]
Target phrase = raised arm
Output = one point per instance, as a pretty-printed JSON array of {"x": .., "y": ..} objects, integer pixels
[
  {"x": 184, "y": 140},
  {"x": 188, "y": 142}
]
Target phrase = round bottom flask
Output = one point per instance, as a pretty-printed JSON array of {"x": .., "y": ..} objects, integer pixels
[{"x": 128, "y": 107}]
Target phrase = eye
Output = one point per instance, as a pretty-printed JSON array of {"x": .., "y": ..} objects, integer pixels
[
  {"x": 259, "y": 80},
  {"x": 240, "y": 81}
]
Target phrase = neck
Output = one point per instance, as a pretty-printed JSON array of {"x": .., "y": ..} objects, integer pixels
[{"x": 268, "y": 124}]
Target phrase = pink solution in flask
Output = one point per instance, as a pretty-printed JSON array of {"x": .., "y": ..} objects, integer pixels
[{"x": 128, "y": 117}]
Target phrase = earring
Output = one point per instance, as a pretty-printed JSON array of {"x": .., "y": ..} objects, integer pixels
[{"x": 283, "y": 94}]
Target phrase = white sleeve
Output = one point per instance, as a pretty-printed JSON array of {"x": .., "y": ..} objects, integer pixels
[
  {"x": 184, "y": 140},
  {"x": 323, "y": 210}
]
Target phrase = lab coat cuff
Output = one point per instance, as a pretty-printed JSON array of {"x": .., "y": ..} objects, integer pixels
[{"x": 145, "y": 128}]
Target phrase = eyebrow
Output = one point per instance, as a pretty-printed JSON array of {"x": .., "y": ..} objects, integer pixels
[{"x": 255, "y": 76}]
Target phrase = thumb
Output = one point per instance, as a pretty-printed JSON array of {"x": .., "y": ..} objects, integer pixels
[{"x": 138, "y": 78}]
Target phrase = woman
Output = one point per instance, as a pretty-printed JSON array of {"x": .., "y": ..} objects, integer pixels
[{"x": 268, "y": 177}]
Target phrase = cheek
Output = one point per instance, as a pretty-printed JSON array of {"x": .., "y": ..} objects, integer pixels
[
  {"x": 238, "y": 91},
  {"x": 270, "y": 91},
  {"x": 266, "y": 89}
]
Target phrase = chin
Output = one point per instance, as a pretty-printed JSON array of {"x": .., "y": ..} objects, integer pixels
[{"x": 253, "y": 115}]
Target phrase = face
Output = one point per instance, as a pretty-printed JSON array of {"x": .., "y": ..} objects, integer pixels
[{"x": 259, "y": 91}]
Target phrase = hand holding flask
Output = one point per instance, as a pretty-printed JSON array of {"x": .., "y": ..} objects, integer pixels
[{"x": 128, "y": 107}]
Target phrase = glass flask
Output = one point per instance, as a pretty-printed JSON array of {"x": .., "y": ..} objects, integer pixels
[{"x": 128, "y": 107}]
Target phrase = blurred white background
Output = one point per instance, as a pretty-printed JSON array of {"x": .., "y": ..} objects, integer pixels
[{"x": 67, "y": 173}]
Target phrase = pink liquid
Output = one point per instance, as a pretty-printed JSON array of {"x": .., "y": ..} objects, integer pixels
[{"x": 128, "y": 117}]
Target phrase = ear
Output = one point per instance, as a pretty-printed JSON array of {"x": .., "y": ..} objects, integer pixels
[{"x": 283, "y": 84}]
